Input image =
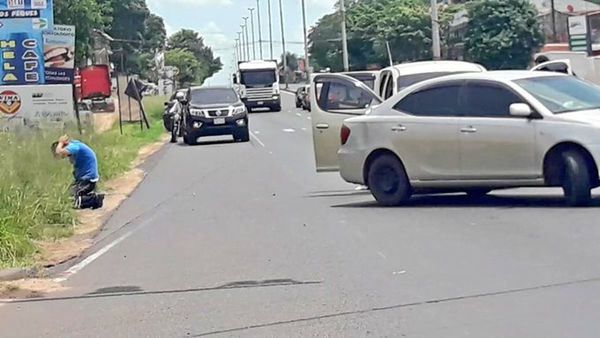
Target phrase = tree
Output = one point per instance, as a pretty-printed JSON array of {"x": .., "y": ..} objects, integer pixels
[
  {"x": 85, "y": 15},
  {"x": 502, "y": 34},
  {"x": 325, "y": 43},
  {"x": 186, "y": 62},
  {"x": 291, "y": 61},
  {"x": 155, "y": 34},
  {"x": 190, "y": 40}
]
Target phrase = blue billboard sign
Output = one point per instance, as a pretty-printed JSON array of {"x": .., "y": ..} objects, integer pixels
[{"x": 22, "y": 23}]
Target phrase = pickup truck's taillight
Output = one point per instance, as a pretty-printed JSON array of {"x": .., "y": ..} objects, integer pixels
[{"x": 344, "y": 134}]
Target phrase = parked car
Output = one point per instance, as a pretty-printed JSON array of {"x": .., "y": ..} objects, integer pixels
[
  {"x": 472, "y": 132},
  {"x": 300, "y": 93},
  {"x": 395, "y": 78},
  {"x": 213, "y": 111}
]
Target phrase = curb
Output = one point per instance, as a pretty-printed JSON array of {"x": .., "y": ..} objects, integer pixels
[{"x": 15, "y": 274}]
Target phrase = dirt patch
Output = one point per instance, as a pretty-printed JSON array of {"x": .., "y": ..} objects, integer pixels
[
  {"x": 91, "y": 221},
  {"x": 104, "y": 121},
  {"x": 28, "y": 288}
]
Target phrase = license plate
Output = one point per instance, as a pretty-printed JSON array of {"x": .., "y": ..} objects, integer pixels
[
  {"x": 219, "y": 121},
  {"x": 260, "y": 103}
]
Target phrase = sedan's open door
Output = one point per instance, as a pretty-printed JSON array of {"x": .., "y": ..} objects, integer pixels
[
  {"x": 335, "y": 98},
  {"x": 559, "y": 66}
]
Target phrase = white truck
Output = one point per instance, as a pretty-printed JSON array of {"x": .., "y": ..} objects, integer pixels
[{"x": 257, "y": 82}]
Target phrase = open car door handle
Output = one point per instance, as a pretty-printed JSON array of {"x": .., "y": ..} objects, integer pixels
[{"x": 322, "y": 126}]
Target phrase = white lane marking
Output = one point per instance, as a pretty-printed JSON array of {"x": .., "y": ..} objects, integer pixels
[
  {"x": 285, "y": 91},
  {"x": 304, "y": 129},
  {"x": 381, "y": 254},
  {"x": 255, "y": 138},
  {"x": 399, "y": 272},
  {"x": 79, "y": 266},
  {"x": 308, "y": 117},
  {"x": 298, "y": 114},
  {"x": 289, "y": 130},
  {"x": 256, "y": 132}
]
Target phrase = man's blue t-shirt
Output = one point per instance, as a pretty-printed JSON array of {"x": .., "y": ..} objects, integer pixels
[{"x": 84, "y": 161}]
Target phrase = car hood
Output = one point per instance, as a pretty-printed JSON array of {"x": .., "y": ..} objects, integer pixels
[
  {"x": 215, "y": 106},
  {"x": 585, "y": 116}
]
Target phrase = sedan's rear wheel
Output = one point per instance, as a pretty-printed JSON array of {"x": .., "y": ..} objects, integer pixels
[
  {"x": 388, "y": 181},
  {"x": 576, "y": 182}
]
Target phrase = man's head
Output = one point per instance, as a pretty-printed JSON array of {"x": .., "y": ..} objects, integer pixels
[{"x": 57, "y": 147}]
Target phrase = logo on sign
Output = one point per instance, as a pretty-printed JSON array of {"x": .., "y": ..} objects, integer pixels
[
  {"x": 39, "y": 4},
  {"x": 16, "y": 4},
  {"x": 10, "y": 102}
]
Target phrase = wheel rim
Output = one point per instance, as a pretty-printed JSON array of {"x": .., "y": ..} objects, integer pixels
[{"x": 387, "y": 180}]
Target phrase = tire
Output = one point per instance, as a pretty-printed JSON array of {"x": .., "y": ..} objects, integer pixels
[
  {"x": 576, "y": 180},
  {"x": 276, "y": 108},
  {"x": 388, "y": 181},
  {"x": 243, "y": 135},
  {"x": 187, "y": 140}
]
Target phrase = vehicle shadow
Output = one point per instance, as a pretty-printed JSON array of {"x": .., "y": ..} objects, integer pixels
[
  {"x": 463, "y": 201},
  {"x": 206, "y": 143}
]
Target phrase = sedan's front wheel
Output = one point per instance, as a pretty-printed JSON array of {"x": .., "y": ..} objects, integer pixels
[
  {"x": 576, "y": 179},
  {"x": 388, "y": 181}
]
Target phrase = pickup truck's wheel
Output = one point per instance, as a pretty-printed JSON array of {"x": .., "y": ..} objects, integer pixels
[
  {"x": 188, "y": 140},
  {"x": 276, "y": 108},
  {"x": 388, "y": 181},
  {"x": 576, "y": 180},
  {"x": 242, "y": 135}
]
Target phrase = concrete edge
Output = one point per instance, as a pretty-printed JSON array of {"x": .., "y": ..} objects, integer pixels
[{"x": 16, "y": 274}]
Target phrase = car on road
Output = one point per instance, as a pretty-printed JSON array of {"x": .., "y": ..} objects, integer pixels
[
  {"x": 393, "y": 79},
  {"x": 214, "y": 111},
  {"x": 300, "y": 93},
  {"x": 471, "y": 132}
]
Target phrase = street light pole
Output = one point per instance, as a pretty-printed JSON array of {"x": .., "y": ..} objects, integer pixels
[
  {"x": 259, "y": 29},
  {"x": 247, "y": 39},
  {"x": 553, "y": 17},
  {"x": 270, "y": 29},
  {"x": 251, "y": 10},
  {"x": 240, "y": 46},
  {"x": 435, "y": 31},
  {"x": 344, "y": 37},
  {"x": 243, "y": 43},
  {"x": 306, "y": 62},
  {"x": 284, "y": 59}
]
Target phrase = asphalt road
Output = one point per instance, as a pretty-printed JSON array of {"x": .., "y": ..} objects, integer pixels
[{"x": 226, "y": 239}]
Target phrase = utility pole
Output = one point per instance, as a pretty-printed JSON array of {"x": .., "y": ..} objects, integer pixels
[
  {"x": 247, "y": 40},
  {"x": 236, "y": 49},
  {"x": 306, "y": 62},
  {"x": 435, "y": 31},
  {"x": 243, "y": 44},
  {"x": 240, "y": 46},
  {"x": 251, "y": 10},
  {"x": 284, "y": 58},
  {"x": 553, "y": 9},
  {"x": 259, "y": 29},
  {"x": 345, "y": 36},
  {"x": 270, "y": 29}
]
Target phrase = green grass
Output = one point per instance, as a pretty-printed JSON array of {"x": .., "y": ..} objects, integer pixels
[{"x": 34, "y": 200}]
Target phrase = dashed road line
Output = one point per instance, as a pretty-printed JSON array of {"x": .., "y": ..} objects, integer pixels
[
  {"x": 289, "y": 130},
  {"x": 255, "y": 138}
]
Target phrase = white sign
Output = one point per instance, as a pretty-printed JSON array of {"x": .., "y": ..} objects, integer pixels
[
  {"x": 36, "y": 106},
  {"x": 578, "y": 25},
  {"x": 16, "y": 4},
  {"x": 39, "y": 4}
]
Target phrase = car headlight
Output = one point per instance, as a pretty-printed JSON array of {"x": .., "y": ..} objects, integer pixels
[
  {"x": 239, "y": 110},
  {"x": 196, "y": 112}
]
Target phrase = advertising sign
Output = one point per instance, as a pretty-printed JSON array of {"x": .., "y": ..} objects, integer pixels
[
  {"x": 21, "y": 42},
  {"x": 579, "y": 37},
  {"x": 36, "y": 106},
  {"x": 59, "y": 54}
]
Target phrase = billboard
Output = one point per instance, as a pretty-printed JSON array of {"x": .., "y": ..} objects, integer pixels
[
  {"x": 22, "y": 23},
  {"x": 59, "y": 54},
  {"x": 36, "y": 107}
]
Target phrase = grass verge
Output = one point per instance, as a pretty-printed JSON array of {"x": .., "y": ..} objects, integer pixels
[{"x": 34, "y": 200}]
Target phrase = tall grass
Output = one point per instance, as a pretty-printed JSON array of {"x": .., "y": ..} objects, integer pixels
[{"x": 34, "y": 200}]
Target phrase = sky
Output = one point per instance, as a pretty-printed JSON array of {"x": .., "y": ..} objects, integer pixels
[{"x": 218, "y": 21}]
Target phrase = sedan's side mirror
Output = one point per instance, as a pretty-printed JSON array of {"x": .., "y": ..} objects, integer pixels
[{"x": 520, "y": 110}]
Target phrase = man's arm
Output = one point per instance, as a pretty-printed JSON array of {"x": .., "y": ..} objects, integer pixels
[{"x": 61, "y": 148}]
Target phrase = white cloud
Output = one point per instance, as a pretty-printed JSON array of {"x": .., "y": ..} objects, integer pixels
[
  {"x": 327, "y": 4},
  {"x": 198, "y": 3}
]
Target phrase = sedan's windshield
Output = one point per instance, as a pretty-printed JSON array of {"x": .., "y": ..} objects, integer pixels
[
  {"x": 258, "y": 77},
  {"x": 562, "y": 94},
  {"x": 213, "y": 96}
]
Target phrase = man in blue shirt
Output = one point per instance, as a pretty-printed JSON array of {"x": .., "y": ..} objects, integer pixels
[{"x": 85, "y": 171}]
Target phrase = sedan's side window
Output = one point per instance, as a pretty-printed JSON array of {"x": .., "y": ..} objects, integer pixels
[
  {"x": 437, "y": 101},
  {"x": 488, "y": 100},
  {"x": 344, "y": 97}
]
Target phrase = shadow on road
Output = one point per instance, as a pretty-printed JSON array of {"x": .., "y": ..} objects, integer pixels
[
  {"x": 463, "y": 201},
  {"x": 207, "y": 143}
]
